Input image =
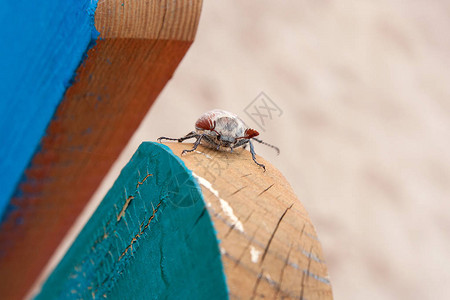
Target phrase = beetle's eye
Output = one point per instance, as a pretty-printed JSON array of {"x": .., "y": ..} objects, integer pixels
[{"x": 219, "y": 136}]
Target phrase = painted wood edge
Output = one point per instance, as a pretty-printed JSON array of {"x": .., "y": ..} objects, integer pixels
[{"x": 150, "y": 238}]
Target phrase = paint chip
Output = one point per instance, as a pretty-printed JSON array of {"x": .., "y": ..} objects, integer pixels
[
  {"x": 254, "y": 254},
  {"x": 227, "y": 209},
  {"x": 207, "y": 156}
]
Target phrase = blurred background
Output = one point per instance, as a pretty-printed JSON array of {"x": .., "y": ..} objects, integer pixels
[{"x": 360, "y": 108}]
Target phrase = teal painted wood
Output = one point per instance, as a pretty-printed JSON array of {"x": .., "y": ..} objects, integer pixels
[{"x": 150, "y": 238}]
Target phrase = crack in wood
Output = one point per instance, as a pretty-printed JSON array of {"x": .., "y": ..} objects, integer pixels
[
  {"x": 141, "y": 231},
  {"x": 248, "y": 217},
  {"x": 143, "y": 180},
  {"x": 273, "y": 233},
  {"x": 234, "y": 225},
  {"x": 230, "y": 230},
  {"x": 257, "y": 283},
  {"x": 282, "y": 271},
  {"x": 270, "y": 281},
  {"x": 277, "y": 255},
  {"x": 265, "y": 190},
  {"x": 124, "y": 208},
  {"x": 238, "y": 261},
  {"x": 237, "y": 191},
  {"x": 200, "y": 216},
  {"x": 131, "y": 197},
  {"x": 305, "y": 275}
]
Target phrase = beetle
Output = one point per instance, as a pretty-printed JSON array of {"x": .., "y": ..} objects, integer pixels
[{"x": 222, "y": 130}]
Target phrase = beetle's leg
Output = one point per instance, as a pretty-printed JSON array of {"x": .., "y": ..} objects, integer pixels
[
  {"x": 209, "y": 140},
  {"x": 197, "y": 142},
  {"x": 271, "y": 146},
  {"x": 252, "y": 151},
  {"x": 190, "y": 135},
  {"x": 166, "y": 138},
  {"x": 242, "y": 142}
]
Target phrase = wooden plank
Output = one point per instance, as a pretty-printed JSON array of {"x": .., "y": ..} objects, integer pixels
[
  {"x": 269, "y": 246},
  {"x": 141, "y": 44},
  {"x": 42, "y": 45},
  {"x": 150, "y": 238}
]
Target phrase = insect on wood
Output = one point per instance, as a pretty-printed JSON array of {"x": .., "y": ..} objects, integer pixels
[{"x": 222, "y": 131}]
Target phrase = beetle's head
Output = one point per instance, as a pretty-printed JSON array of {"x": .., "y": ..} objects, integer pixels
[
  {"x": 226, "y": 140},
  {"x": 229, "y": 139}
]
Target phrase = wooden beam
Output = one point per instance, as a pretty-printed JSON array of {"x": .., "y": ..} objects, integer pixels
[
  {"x": 268, "y": 244},
  {"x": 140, "y": 45},
  {"x": 43, "y": 43}
]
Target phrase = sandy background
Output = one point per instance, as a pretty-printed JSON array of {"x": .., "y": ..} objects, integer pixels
[{"x": 364, "y": 133}]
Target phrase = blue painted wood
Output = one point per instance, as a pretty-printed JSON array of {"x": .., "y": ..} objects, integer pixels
[
  {"x": 150, "y": 238},
  {"x": 41, "y": 45}
]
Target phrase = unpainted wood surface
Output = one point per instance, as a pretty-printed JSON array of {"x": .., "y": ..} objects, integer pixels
[
  {"x": 140, "y": 45},
  {"x": 269, "y": 246}
]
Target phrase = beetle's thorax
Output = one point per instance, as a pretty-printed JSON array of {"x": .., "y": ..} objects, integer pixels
[{"x": 230, "y": 127}]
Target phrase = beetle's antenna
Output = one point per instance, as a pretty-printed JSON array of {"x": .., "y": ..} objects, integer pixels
[{"x": 271, "y": 146}]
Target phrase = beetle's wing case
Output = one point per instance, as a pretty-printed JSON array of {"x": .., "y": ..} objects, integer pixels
[
  {"x": 222, "y": 121},
  {"x": 205, "y": 122},
  {"x": 232, "y": 124}
]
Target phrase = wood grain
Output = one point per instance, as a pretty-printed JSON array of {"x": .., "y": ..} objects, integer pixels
[
  {"x": 269, "y": 246},
  {"x": 141, "y": 43}
]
